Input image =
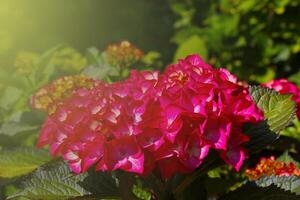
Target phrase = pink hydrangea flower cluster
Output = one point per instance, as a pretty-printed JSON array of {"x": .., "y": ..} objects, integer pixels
[
  {"x": 283, "y": 86},
  {"x": 165, "y": 123}
]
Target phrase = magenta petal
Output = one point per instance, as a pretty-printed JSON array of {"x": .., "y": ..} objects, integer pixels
[
  {"x": 75, "y": 166},
  {"x": 124, "y": 154},
  {"x": 217, "y": 135},
  {"x": 70, "y": 156},
  {"x": 234, "y": 157},
  {"x": 54, "y": 148},
  {"x": 137, "y": 164},
  {"x": 47, "y": 133},
  {"x": 87, "y": 162}
]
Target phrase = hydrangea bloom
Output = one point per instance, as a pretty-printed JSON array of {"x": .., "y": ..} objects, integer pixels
[
  {"x": 164, "y": 123},
  {"x": 123, "y": 54},
  {"x": 283, "y": 86},
  {"x": 270, "y": 166},
  {"x": 50, "y": 96}
]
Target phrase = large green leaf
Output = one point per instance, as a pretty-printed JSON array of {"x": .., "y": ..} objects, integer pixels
[
  {"x": 250, "y": 192},
  {"x": 287, "y": 183},
  {"x": 55, "y": 182},
  {"x": 260, "y": 136},
  {"x": 279, "y": 110},
  {"x": 101, "y": 183},
  {"x": 21, "y": 161},
  {"x": 193, "y": 45}
]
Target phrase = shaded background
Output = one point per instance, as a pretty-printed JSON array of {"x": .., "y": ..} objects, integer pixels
[
  {"x": 37, "y": 25},
  {"x": 257, "y": 40}
]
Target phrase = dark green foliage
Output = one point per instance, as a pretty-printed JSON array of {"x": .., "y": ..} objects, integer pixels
[
  {"x": 251, "y": 192},
  {"x": 257, "y": 40},
  {"x": 52, "y": 183}
]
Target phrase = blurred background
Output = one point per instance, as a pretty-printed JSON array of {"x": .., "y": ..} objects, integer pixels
[
  {"x": 251, "y": 38},
  {"x": 258, "y": 40},
  {"x": 40, "y": 41}
]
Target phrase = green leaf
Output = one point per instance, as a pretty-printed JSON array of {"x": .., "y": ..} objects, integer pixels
[
  {"x": 93, "y": 56},
  {"x": 100, "y": 184},
  {"x": 141, "y": 193},
  {"x": 21, "y": 161},
  {"x": 287, "y": 183},
  {"x": 55, "y": 182},
  {"x": 12, "y": 128},
  {"x": 293, "y": 131},
  {"x": 250, "y": 192},
  {"x": 279, "y": 110},
  {"x": 285, "y": 157},
  {"x": 193, "y": 45},
  {"x": 97, "y": 71},
  {"x": 295, "y": 78},
  {"x": 45, "y": 69},
  {"x": 260, "y": 136},
  {"x": 9, "y": 97}
]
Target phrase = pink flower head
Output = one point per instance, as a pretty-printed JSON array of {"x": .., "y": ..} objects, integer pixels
[
  {"x": 123, "y": 153},
  {"x": 283, "y": 86},
  {"x": 165, "y": 123}
]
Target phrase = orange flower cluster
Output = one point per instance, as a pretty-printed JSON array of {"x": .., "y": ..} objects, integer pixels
[
  {"x": 123, "y": 54},
  {"x": 270, "y": 166},
  {"x": 50, "y": 96}
]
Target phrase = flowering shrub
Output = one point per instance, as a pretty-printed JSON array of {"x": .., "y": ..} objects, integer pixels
[
  {"x": 270, "y": 166},
  {"x": 283, "y": 86},
  {"x": 167, "y": 122},
  {"x": 139, "y": 134},
  {"x": 24, "y": 62},
  {"x": 68, "y": 59},
  {"x": 123, "y": 55},
  {"x": 49, "y": 97}
]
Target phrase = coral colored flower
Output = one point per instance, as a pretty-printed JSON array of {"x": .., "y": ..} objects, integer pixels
[
  {"x": 150, "y": 122},
  {"x": 283, "y": 86},
  {"x": 123, "y": 54},
  {"x": 270, "y": 166}
]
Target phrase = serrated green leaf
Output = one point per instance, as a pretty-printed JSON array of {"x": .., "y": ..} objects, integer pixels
[
  {"x": 21, "y": 161},
  {"x": 260, "y": 136},
  {"x": 52, "y": 183},
  {"x": 287, "y": 183},
  {"x": 279, "y": 110},
  {"x": 100, "y": 183},
  {"x": 250, "y": 192}
]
